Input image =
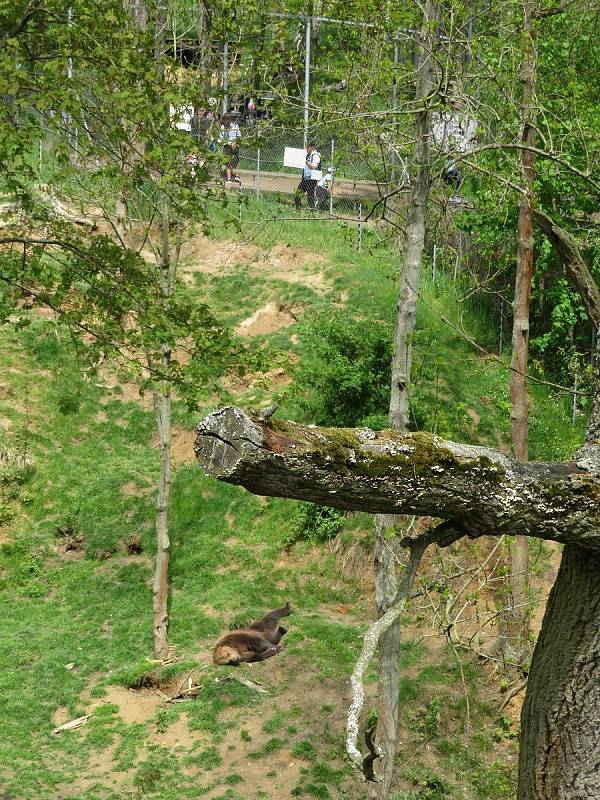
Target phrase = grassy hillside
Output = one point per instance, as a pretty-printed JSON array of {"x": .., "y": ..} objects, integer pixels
[{"x": 78, "y": 481}]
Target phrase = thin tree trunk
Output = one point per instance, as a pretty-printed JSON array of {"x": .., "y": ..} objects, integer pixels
[
  {"x": 386, "y": 547},
  {"x": 160, "y": 585},
  {"x": 515, "y": 644},
  {"x": 203, "y": 32},
  {"x": 560, "y": 720},
  {"x": 386, "y": 585},
  {"x": 162, "y": 409},
  {"x": 415, "y": 232},
  {"x": 258, "y": 47}
]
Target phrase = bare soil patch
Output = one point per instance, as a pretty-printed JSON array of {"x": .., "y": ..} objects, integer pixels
[
  {"x": 213, "y": 256},
  {"x": 283, "y": 262},
  {"x": 134, "y": 706},
  {"x": 269, "y": 319},
  {"x": 295, "y": 265},
  {"x": 272, "y": 380},
  {"x": 131, "y": 489},
  {"x": 182, "y": 446}
]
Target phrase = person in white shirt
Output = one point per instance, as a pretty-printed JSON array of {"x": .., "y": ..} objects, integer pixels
[
  {"x": 308, "y": 183},
  {"x": 234, "y": 131},
  {"x": 324, "y": 189}
]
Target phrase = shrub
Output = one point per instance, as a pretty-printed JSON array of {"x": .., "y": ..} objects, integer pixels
[
  {"x": 313, "y": 523},
  {"x": 345, "y": 374}
]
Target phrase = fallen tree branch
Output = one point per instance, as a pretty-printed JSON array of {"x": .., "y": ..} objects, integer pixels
[
  {"x": 180, "y": 691},
  {"x": 256, "y": 687},
  {"x": 73, "y": 724},
  {"x": 513, "y": 692}
]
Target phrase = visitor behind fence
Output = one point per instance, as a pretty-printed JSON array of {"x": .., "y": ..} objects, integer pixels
[
  {"x": 308, "y": 183},
  {"x": 251, "y": 112},
  {"x": 324, "y": 187}
]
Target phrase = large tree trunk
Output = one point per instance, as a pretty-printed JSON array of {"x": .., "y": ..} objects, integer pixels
[
  {"x": 516, "y": 620},
  {"x": 560, "y": 721}
]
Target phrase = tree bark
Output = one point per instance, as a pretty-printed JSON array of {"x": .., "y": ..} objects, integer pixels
[
  {"x": 160, "y": 584},
  {"x": 516, "y": 620},
  {"x": 415, "y": 231},
  {"x": 162, "y": 409},
  {"x": 384, "y": 557},
  {"x": 560, "y": 720},
  {"x": 477, "y": 490}
]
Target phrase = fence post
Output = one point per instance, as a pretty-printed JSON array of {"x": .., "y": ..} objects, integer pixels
[
  {"x": 257, "y": 176},
  {"x": 433, "y": 260},
  {"x": 331, "y": 186},
  {"x": 458, "y": 262},
  {"x": 360, "y": 227},
  {"x": 306, "y": 78},
  {"x": 501, "y": 336},
  {"x": 225, "y": 75}
]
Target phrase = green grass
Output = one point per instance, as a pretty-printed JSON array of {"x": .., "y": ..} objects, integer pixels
[{"x": 74, "y": 623}]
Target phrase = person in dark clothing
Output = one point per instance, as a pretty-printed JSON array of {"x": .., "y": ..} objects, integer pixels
[
  {"x": 308, "y": 183},
  {"x": 452, "y": 175},
  {"x": 324, "y": 189}
]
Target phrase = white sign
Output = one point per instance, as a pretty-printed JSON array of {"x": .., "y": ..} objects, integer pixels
[
  {"x": 182, "y": 117},
  {"x": 294, "y": 157},
  {"x": 455, "y": 133}
]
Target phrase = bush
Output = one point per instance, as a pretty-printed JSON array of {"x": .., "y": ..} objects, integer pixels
[
  {"x": 344, "y": 376},
  {"x": 313, "y": 523}
]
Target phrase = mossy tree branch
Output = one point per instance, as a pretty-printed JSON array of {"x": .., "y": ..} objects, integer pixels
[{"x": 476, "y": 490}]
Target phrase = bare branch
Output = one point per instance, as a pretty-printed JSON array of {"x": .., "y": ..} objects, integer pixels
[{"x": 370, "y": 643}]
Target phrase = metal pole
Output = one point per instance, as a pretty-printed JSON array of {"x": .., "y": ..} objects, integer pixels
[
  {"x": 433, "y": 260},
  {"x": 360, "y": 227},
  {"x": 225, "y": 74},
  {"x": 306, "y": 79},
  {"x": 331, "y": 186},
  {"x": 458, "y": 261},
  {"x": 71, "y": 132},
  {"x": 574, "y": 409},
  {"x": 501, "y": 326},
  {"x": 257, "y": 180}
]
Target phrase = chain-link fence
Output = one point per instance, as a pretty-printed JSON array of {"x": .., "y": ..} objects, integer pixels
[{"x": 352, "y": 178}]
